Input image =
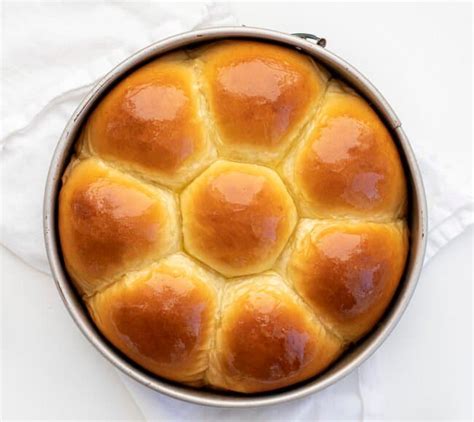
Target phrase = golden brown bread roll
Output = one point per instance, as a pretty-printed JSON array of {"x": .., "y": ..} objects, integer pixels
[
  {"x": 237, "y": 218},
  {"x": 233, "y": 217},
  {"x": 348, "y": 165},
  {"x": 267, "y": 338},
  {"x": 162, "y": 317},
  {"x": 151, "y": 123},
  {"x": 111, "y": 223},
  {"x": 348, "y": 271},
  {"x": 259, "y": 96}
]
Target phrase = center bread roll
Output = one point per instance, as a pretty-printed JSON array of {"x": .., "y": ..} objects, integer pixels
[
  {"x": 237, "y": 218},
  {"x": 234, "y": 217}
]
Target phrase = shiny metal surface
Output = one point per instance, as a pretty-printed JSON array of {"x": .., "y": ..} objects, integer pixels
[
  {"x": 357, "y": 354},
  {"x": 317, "y": 40}
]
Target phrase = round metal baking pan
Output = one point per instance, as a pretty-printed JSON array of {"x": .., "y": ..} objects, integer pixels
[{"x": 358, "y": 353}]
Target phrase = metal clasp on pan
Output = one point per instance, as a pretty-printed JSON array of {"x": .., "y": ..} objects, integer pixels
[{"x": 311, "y": 38}]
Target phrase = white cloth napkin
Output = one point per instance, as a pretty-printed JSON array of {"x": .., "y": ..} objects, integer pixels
[{"x": 49, "y": 67}]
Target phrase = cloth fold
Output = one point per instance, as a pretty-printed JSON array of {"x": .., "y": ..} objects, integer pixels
[{"x": 48, "y": 69}]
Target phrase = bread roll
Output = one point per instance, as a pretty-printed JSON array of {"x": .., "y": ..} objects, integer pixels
[
  {"x": 151, "y": 123},
  {"x": 267, "y": 338},
  {"x": 259, "y": 97},
  {"x": 348, "y": 271},
  {"x": 111, "y": 223},
  {"x": 233, "y": 217},
  {"x": 237, "y": 218},
  {"x": 162, "y": 317},
  {"x": 347, "y": 165}
]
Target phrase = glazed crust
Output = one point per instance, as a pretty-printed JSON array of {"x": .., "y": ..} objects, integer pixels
[
  {"x": 233, "y": 218},
  {"x": 348, "y": 165},
  {"x": 348, "y": 273},
  {"x": 150, "y": 123},
  {"x": 259, "y": 96},
  {"x": 111, "y": 223},
  {"x": 162, "y": 318},
  {"x": 237, "y": 218},
  {"x": 267, "y": 338}
]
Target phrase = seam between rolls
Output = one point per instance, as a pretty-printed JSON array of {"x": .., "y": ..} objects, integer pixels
[
  {"x": 302, "y": 132},
  {"x": 204, "y": 106},
  {"x": 217, "y": 326},
  {"x": 212, "y": 133},
  {"x": 85, "y": 151},
  {"x": 299, "y": 139},
  {"x": 141, "y": 177},
  {"x": 123, "y": 275},
  {"x": 280, "y": 267},
  {"x": 179, "y": 222},
  {"x": 128, "y": 171},
  {"x": 306, "y": 125},
  {"x": 286, "y": 280},
  {"x": 317, "y": 316}
]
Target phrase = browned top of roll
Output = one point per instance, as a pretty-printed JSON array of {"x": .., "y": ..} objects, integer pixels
[
  {"x": 110, "y": 223},
  {"x": 150, "y": 122},
  {"x": 237, "y": 218},
  {"x": 348, "y": 272},
  {"x": 348, "y": 165},
  {"x": 268, "y": 339},
  {"x": 258, "y": 95},
  {"x": 162, "y": 318}
]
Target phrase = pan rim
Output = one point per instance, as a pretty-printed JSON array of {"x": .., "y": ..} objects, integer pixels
[{"x": 362, "y": 351}]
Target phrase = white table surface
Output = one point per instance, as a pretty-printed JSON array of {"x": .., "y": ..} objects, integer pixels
[{"x": 51, "y": 372}]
